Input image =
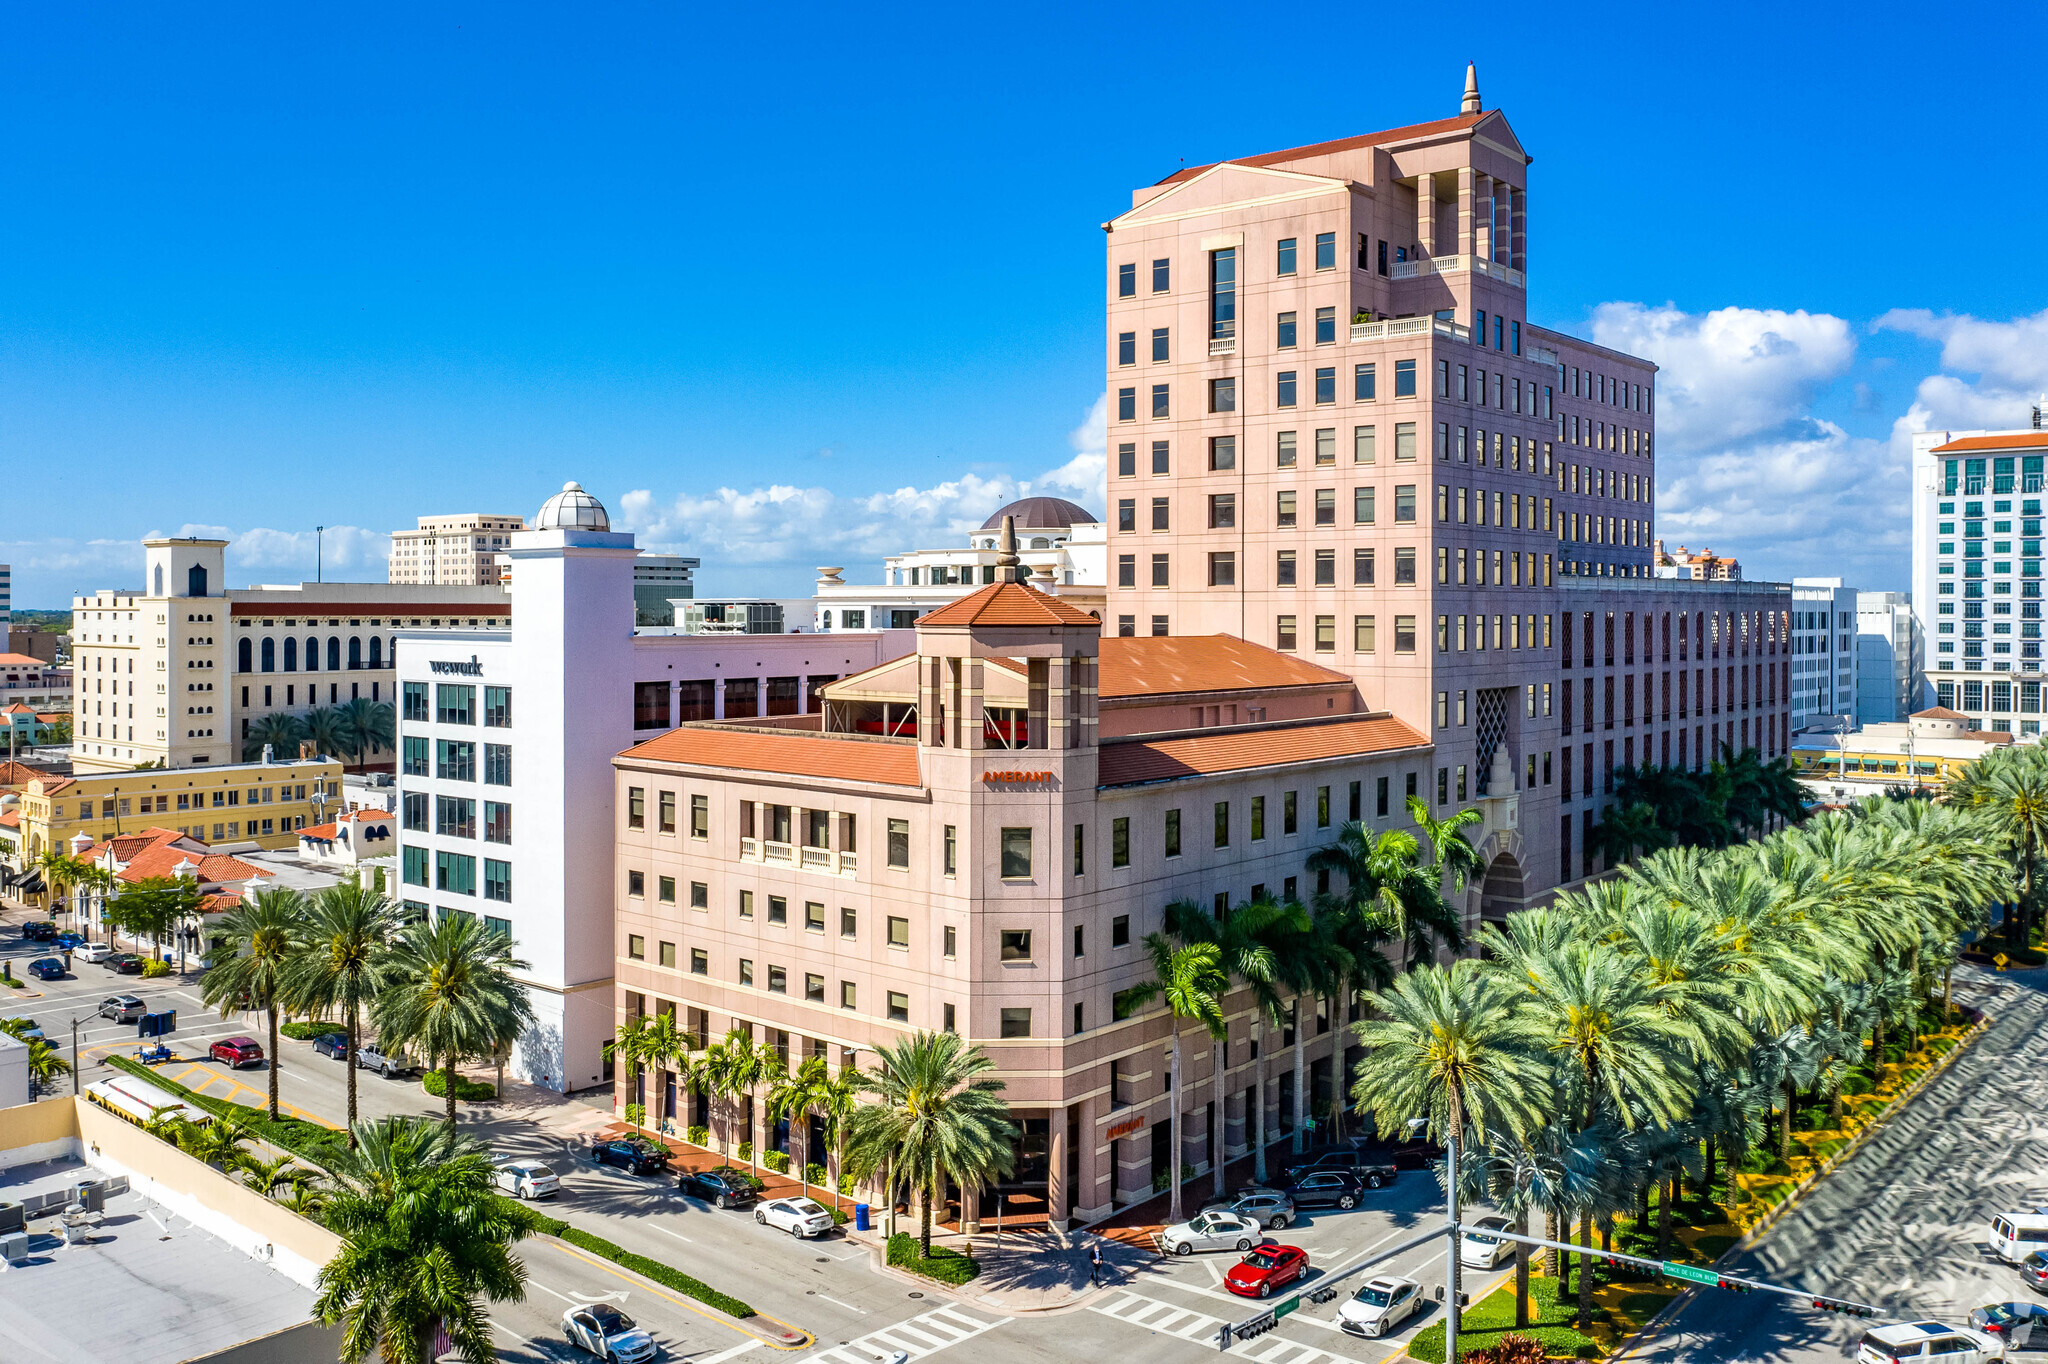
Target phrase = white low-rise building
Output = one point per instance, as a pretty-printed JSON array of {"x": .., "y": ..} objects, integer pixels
[
  {"x": 1824, "y": 655},
  {"x": 354, "y": 838},
  {"x": 506, "y": 739},
  {"x": 1890, "y": 654},
  {"x": 1063, "y": 544}
]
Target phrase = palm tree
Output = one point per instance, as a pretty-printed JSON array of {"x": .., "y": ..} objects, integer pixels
[
  {"x": 668, "y": 1048},
  {"x": 60, "y": 873},
  {"x": 1450, "y": 854},
  {"x": 2009, "y": 788},
  {"x": 280, "y": 731},
  {"x": 282, "y": 1173},
  {"x": 46, "y": 1064},
  {"x": 451, "y": 994},
  {"x": 327, "y": 729},
  {"x": 91, "y": 876},
  {"x": 370, "y": 726},
  {"x": 262, "y": 937},
  {"x": 732, "y": 1068},
  {"x": 938, "y": 1115},
  {"x": 1190, "y": 982},
  {"x": 631, "y": 1051},
  {"x": 1626, "y": 830},
  {"x": 793, "y": 1096},
  {"x": 1449, "y": 1044},
  {"x": 345, "y": 963},
  {"x": 424, "y": 1235},
  {"x": 836, "y": 1103}
]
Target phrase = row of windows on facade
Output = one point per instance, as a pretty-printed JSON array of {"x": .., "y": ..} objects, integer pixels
[
  {"x": 454, "y": 703},
  {"x": 1743, "y": 681},
  {"x": 1738, "y": 633},
  {"x": 113, "y": 807},
  {"x": 283, "y": 824},
  {"x": 2007, "y": 474},
  {"x": 697, "y": 698},
  {"x": 2022, "y": 698},
  {"x": 1287, "y": 336},
  {"x": 1459, "y": 505},
  {"x": 1461, "y": 568},
  {"x": 455, "y": 760},
  {"x": 456, "y": 872},
  {"x": 291, "y": 696},
  {"x": 262, "y": 655},
  {"x": 456, "y": 817},
  {"x": 1454, "y": 444}
]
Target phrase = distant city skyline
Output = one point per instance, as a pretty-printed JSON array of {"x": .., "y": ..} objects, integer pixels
[{"x": 836, "y": 294}]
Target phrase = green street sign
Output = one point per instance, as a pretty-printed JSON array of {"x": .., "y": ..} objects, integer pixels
[
  {"x": 1281, "y": 1309},
  {"x": 1690, "y": 1272}
]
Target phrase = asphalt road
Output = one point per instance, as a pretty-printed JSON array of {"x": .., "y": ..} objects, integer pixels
[{"x": 1902, "y": 1225}]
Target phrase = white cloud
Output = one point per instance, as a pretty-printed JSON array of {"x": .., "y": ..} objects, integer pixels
[
  {"x": 48, "y": 573},
  {"x": 2009, "y": 360},
  {"x": 1091, "y": 437}
]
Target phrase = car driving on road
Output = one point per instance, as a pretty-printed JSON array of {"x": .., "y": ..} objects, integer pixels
[
  {"x": 1372, "y": 1170},
  {"x": 237, "y": 1052},
  {"x": 528, "y": 1179},
  {"x": 1327, "y": 1189},
  {"x": 608, "y": 1333},
  {"x": 47, "y": 968},
  {"x": 370, "y": 1056},
  {"x": 122, "y": 1008},
  {"x": 1265, "y": 1270},
  {"x": 1482, "y": 1247},
  {"x": 93, "y": 951},
  {"x": 1380, "y": 1305},
  {"x": 332, "y": 1044},
  {"x": 1929, "y": 1342},
  {"x": 800, "y": 1217},
  {"x": 1212, "y": 1231},
  {"x": 2018, "y": 1325}
]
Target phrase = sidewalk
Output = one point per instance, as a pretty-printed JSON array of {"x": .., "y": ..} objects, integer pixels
[{"x": 1027, "y": 1272}]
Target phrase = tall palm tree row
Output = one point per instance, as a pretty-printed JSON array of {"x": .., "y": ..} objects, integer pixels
[
  {"x": 1638, "y": 1031},
  {"x": 450, "y": 992}
]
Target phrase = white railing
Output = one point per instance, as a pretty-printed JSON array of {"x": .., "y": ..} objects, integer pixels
[
  {"x": 1453, "y": 265},
  {"x": 1543, "y": 355},
  {"x": 1222, "y": 345},
  {"x": 779, "y": 852},
  {"x": 849, "y": 863},
  {"x": 817, "y": 857},
  {"x": 1409, "y": 326},
  {"x": 750, "y": 848}
]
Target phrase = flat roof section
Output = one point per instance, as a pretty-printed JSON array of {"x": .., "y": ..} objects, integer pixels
[{"x": 154, "y": 1290}]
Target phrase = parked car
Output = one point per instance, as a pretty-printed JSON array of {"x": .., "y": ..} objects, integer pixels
[
  {"x": 800, "y": 1217},
  {"x": 528, "y": 1179},
  {"x": 370, "y": 1056},
  {"x": 1372, "y": 1169},
  {"x": 722, "y": 1188},
  {"x": 2016, "y": 1235},
  {"x": 1270, "y": 1208},
  {"x": 1265, "y": 1269},
  {"x": 2034, "y": 1271},
  {"x": 47, "y": 968},
  {"x": 628, "y": 1154},
  {"x": 608, "y": 1333},
  {"x": 68, "y": 940},
  {"x": 1482, "y": 1250},
  {"x": 1327, "y": 1189},
  {"x": 1380, "y": 1305},
  {"x": 1927, "y": 1341},
  {"x": 237, "y": 1052},
  {"x": 122, "y": 1008},
  {"x": 1410, "y": 1149},
  {"x": 93, "y": 951},
  {"x": 2018, "y": 1325},
  {"x": 334, "y": 1044},
  {"x": 38, "y": 930},
  {"x": 1212, "y": 1231}
]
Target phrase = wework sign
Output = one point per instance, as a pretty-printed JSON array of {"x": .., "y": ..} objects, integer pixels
[{"x": 469, "y": 669}]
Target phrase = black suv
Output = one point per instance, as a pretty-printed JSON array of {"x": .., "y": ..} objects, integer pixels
[
  {"x": 725, "y": 1188},
  {"x": 1372, "y": 1167},
  {"x": 1330, "y": 1188},
  {"x": 39, "y": 930},
  {"x": 638, "y": 1157}
]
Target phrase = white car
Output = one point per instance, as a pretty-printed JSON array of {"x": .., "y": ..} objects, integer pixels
[
  {"x": 608, "y": 1333},
  {"x": 1380, "y": 1305},
  {"x": 798, "y": 1216},
  {"x": 92, "y": 951},
  {"x": 528, "y": 1179},
  {"x": 1213, "y": 1231},
  {"x": 1929, "y": 1342},
  {"x": 1483, "y": 1250}
]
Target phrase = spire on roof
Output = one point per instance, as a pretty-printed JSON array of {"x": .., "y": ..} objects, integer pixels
[
  {"x": 1006, "y": 553},
  {"x": 1471, "y": 104}
]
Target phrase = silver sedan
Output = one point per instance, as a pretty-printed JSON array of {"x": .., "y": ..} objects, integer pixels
[{"x": 1212, "y": 1231}]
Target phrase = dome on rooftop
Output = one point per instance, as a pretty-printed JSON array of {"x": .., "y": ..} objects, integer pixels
[
  {"x": 1041, "y": 513},
  {"x": 572, "y": 509}
]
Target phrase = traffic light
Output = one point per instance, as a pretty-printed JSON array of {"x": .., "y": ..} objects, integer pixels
[
  {"x": 1224, "y": 1335},
  {"x": 1847, "y": 1309},
  {"x": 1735, "y": 1286},
  {"x": 1322, "y": 1294},
  {"x": 1254, "y": 1326}
]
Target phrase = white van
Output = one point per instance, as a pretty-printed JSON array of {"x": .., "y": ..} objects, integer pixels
[{"x": 2016, "y": 1235}]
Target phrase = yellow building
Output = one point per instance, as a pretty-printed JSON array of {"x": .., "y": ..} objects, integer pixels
[
  {"x": 1927, "y": 751},
  {"x": 263, "y": 804}
]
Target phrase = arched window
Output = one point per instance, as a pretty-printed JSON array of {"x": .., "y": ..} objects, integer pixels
[
  {"x": 334, "y": 653},
  {"x": 376, "y": 651},
  {"x": 269, "y": 654},
  {"x": 242, "y": 651},
  {"x": 159, "y": 581},
  {"x": 195, "y": 581},
  {"x": 291, "y": 654},
  {"x": 312, "y": 653},
  {"x": 355, "y": 652}
]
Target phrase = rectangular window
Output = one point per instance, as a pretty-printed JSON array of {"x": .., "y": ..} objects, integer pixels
[
  {"x": 1223, "y": 294},
  {"x": 497, "y": 880},
  {"x": 1223, "y": 395},
  {"x": 1222, "y": 455},
  {"x": 1363, "y": 633},
  {"x": 1126, "y": 570},
  {"x": 1120, "y": 841},
  {"x": 416, "y": 711},
  {"x": 1127, "y": 280},
  {"x": 1016, "y": 853},
  {"x": 1283, "y": 634},
  {"x": 1404, "y": 570},
  {"x": 1016, "y": 1023},
  {"x": 497, "y": 764},
  {"x": 454, "y": 704},
  {"x": 899, "y": 1006},
  {"x": 415, "y": 808},
  {"x": 1285, "y": 257},
  {"x": 1173, "y": 833},
  {"x": 700, "y": 816},
  {"x": 899, "y": 844},
  {"x": 814, "y": 917},
  {"x": 636, "y": 947},
  {"x": 1258, "y": 818},
  {"x": 1161, "y": 513},
  {"x": 1127, "y": 404},
  {"x": 1404, "y": 378},
  {"x": 952, "y": 942},
  {"x": 1326, "y": 505},
  {"x": 1161, "y": 405},
  {"x": 1283, "y": 568},
  {"x": 1127, "y": 460},
  {"x": 1222, "y": 824},
  {"x": 1127, "y": 348},
  {"x": 455, "y": 872},
  {"x": 416, "y": 759},
  {"x": 650, "y": 705},
  {"x": 1160, "y": 564},
  {"x": 849, "y": 922},
  {"x": 1222, "y": 511},
  {"x": 1162, "y": 276},
  {"x": 497, "y": 707},
  {"x": 951, "y": 846},
  {"x": 1127, "y": 516},
  {"x": 1326, "y": 634},
  {"x": 455, "y": 760},
  {"x": 1326, "y": 446},
  {"x": 454, "y": 817},
  {"x": 848, "y": 997},
  {"x": 1365, "y": 384},
  {"x": 636, "y": 807},
  {"x": 1404, "y": 442},
  {"x": 1404, "y": 504},
  {"x": 1326, "y": 384},
  {"x": 1364, "y": 505},
  {"x": 1016, "y": 944},
  {"x": 1326, "y": 568},
  {"x": 667, "y": 806},
  {"x": 1285, "y": 332},
  {"x": 1326, "y": 333},
  {"x": 1326, "y": 250},
  {"x": 1223, "y": 569},
  {"x": 1404, "y": 634},
  {"x": 1284, "y": 391},
  {"x": 415, "y": 865}
]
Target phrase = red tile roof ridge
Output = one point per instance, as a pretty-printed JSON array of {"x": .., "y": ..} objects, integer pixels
[
  {"x": 1341, "y": 144},
  {"x": 1140, "y": 759},
  {"x": 2025, "y": 440},
  {"x": 1007, "y": 604}
]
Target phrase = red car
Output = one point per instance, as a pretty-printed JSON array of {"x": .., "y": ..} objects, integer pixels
[
  {"x": 1265, "y": 1269},
  {"x": 237, "y": 1052}
]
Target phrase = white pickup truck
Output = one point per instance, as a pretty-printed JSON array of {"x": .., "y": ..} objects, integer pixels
[{"x": 371, "y": 1056}]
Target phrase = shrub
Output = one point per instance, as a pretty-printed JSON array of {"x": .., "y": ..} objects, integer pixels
[
  {"x": 697, "y": 1136},
  {"x": 846, "y": 1185},
  {"x": 153, "y": 969},
  {"x": 778, "y": 1161},
  {"x": 815, "y": 1174},
  {"x": 467, "y": 1090},
  {"x": 635, "y": 1115},
  {"x": 299, "y": 1029},
  {"x": 746, "y": 1151},
  {"x": 945, "y": 1266}
]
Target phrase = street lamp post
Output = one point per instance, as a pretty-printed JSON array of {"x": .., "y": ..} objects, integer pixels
[{"x": 319, "y": 553}]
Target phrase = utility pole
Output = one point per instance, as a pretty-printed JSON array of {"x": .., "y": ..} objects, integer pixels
[
  {"x": 1453, "y": 1235},
  {"x": 319, "y": 554}
]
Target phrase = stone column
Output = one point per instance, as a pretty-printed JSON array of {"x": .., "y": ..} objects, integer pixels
[
  {"x": 1519, "y": 201},
  {"x": 718, "y": 699},
  {"x": 1465, "y": 174},
  {"x": 1482, "y": 217},
  {"x": 1425, "y": 215},
  {"x": 970, "y": 1211},
  {"x": 1095, "y": 1188},
  {"x": 1058, "y": 1197}
]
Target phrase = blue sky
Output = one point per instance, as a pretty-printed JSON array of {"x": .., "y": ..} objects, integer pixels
[{"x": 815, "y": 284}]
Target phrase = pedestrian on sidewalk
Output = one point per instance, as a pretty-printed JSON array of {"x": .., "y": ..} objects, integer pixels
[{"x": 1094, "y": 1262}]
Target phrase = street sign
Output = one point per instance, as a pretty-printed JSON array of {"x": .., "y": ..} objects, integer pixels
[
  {"x": 1690, "y": 1273},
  {"x": 1999, "y": 960},
  {"x": 1281, "y": 1309}
]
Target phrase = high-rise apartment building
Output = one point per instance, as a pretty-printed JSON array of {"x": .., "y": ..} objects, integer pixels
[
  {"x": 1977, "y": 498},
  {"x": 1354, "y": 446},
  {"x": 1889, "y": 657},
  {"x": 659, "y": 581},
  {"x": 176, "y": 672},
  {"x": 6, "y": 595},
  {"x": 462, "y": 550},
  {"x": 1824, "y": 655}
]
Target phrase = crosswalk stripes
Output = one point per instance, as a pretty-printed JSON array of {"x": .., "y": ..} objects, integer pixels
[
  {"x": 920, "y": 1336},
  {"x": 1135, "y": 1309}
]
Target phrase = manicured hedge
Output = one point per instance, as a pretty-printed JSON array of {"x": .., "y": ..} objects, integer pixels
[
  {"x": 652, "y": 1269},
  {"x": 946, "y": 1266},
  {"x": 469, "y": 1091},
  {"x": 303, "y": 1030}
]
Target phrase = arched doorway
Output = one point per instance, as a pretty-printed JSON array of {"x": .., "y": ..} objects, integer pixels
[{"x": 1501, "y": 891}]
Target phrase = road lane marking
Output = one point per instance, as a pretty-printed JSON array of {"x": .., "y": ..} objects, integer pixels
[
  {"x": 685, "y": 1304},
  {"x": 736, "y": 1350},
  {"x": 907, "y": 1337},
  {"x": 847, "y": 1305},
  {"x": 678, "y": 1235}
]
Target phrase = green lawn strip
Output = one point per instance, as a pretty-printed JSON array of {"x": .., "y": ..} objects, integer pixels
[
  {"x": 946, "y": 1266},
  {"x": 1481, "y": 1325},
  {"x": 309, "y": 1141},
  {"x": 652, "y": 1269}
]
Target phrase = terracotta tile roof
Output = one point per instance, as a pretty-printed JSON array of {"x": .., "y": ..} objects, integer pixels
[
  {"x": 1129, "y": 764},
  {"x": 1155, "y": 665},
  {"x": 19, "y": 774},
  {"x": 52, "y": 785},
  {"x": 219, "y": 904},
  {"x": 23, "y": 661},
  {"x": 212, "y": 868},
  {"x": 1342, "y": 144},
  {"x": 2026, "y": 440},
  {"x": 10, "y": 819},
  {"x": 793, "y": 754},
  {"x": 18, "y": 709},
  {"x": 1008, "y": 604},
  {"x": 1938, "y": 713},
  {"x": 331, "y": 831}
]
